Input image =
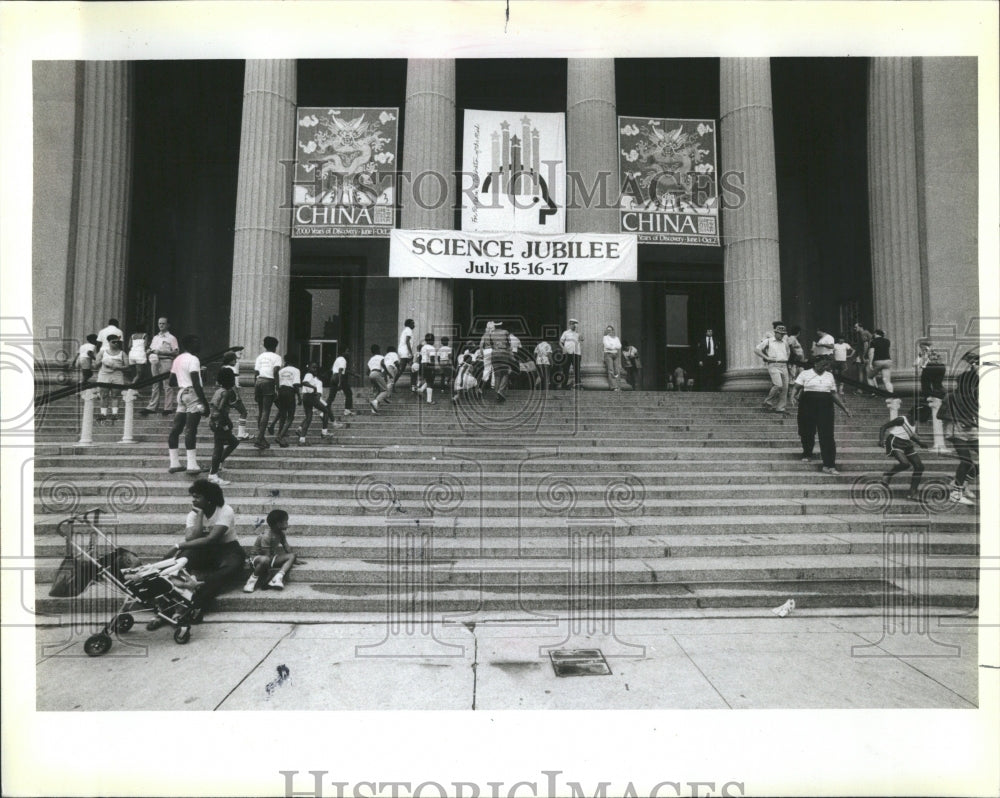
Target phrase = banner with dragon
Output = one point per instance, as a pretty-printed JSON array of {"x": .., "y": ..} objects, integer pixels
[
  {"x": 345, "y": 169},
  {"x": 669, "y": 180}
]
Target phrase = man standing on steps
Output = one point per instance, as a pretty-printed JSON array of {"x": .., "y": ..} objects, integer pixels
[
  {"x": 162, "y": 351},
  {"x": 503, "y": 358},
  {"x": 570, "y": 342},
  {"x": 709, "y": 362},
  {"x": 773, "y": 350}
]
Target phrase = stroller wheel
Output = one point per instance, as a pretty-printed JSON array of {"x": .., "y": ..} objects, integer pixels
[
  {"x": 124, "y": 622},
  {"x": 182, "y": 634},
  {"x": 97, "y": 645}
]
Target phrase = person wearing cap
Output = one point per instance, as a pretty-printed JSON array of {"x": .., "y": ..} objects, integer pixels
[
  {"x": 162, "y": 351},
  {"x": 773, "y": 350},
  {"x": 816, "y": 390},
  {"x": 570, "y": 342},
  {"x": 111, "y": 364}
]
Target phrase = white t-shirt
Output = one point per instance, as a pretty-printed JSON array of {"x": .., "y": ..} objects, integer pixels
[
  {"x": 612, "y": 344},
  {"x": 87, "y": 350},
  {"x": 266, "y": 363},
  {"x": 812, "y": 382},
  {"x": 427, "y": 353},
  {"x": 570, "y": 342},
  {"x": 405, "y": 343},
  {"x": 184, "y": 365},
  {"x": 840, "y": 352},
  {"x": 340, "y": 365},
  {"x": 289, "y": 377},
  {"x": 904, "y": 430},
  {"x": 375, "y": 363},
  {"x": 444, "y": 355},
  {"x": 392, "y": 361},
  {"x": 312, "y": 384},
  {"x": 104, "y": 332},
  {"x": 543, "y": 350},
  {"x": 824, "y": 346},
  {"x": 515, "y": 342},
  {"x": 223, "y": 516}
]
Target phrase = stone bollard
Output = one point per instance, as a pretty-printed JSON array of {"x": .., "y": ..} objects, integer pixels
[
  {"x": 893, "y": 404},
  {"x": 87, "y": 423},
  {"x": 129, "y": 396},
  {"x": 939, "y": 444}
]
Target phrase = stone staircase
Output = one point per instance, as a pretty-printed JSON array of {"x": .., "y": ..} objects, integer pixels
[{"x": 577, "y": 502}]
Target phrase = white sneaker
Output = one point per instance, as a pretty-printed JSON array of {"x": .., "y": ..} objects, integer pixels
[
  {"x": 349, "y": 413},
  {"x": 215, "y": 479},
  {"x": 959, "y": 497},
  {"x": 242, "y": 436},
  {"x": 278, "y": 581},
  {"x": 250, "y": 585},
  {"x": 301, "y": 440}
]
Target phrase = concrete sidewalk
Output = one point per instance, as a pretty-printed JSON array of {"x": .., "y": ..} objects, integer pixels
[{"x": 806, "y": 660}]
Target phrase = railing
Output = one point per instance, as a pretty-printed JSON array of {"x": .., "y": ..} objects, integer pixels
[{"x": 129, "y": 393}]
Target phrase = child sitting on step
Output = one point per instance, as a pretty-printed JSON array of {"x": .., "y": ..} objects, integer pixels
[{"x": 271, "y": 551}]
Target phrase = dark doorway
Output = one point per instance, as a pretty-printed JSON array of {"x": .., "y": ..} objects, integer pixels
[
  {"x": 529, "y": 310},
  {"x": 324, "y": 317}
]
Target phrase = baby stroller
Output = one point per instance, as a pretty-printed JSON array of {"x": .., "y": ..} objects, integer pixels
[{"x": 163, "y": 588}]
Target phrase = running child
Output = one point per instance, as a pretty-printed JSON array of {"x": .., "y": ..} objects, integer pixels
[
  {"x": 271, "y": 551},
  {"x": 231, "y": 362},
  {"x": 899, "y": 445},
  {"x": 289, "y": 385},
  {"x": 266, "y": 367},
  {"x": 340, "y": 381},
  {"x": 428, "y": 364},
  {"x": 392, "y": 369},
  {"x": 226, "y": 396},
  {"x": 85, "y": 356},
  {"x": 376, "y": 376},
  {"x": 312, "y": 399}
]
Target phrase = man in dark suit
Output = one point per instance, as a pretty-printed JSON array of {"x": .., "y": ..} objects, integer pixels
[{"x": 709, "y": 352}]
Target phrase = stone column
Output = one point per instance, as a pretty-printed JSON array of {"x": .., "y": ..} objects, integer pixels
[
  {"x": 428, "y": 150},
  {"x": 103, "y": 198},
  {"x": 752, "y": 270},
  {"x": 894, "y": 223},
  {"x": 592, "y": 152},
  {"x": 262, "y": 243}
]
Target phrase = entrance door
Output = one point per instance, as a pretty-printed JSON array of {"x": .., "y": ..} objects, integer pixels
[
  {"x": 529, "y": 310},
  {"x": 323, "y": 312}
]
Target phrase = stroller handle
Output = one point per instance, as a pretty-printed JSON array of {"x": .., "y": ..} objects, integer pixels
[{"x": 76, "y": 517}]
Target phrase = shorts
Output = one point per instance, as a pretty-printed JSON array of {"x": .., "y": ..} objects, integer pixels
[
  {"x": 263, "y": 387},
  {"x": 896, "y": 444},
  {"x": 188, "y": 402}
]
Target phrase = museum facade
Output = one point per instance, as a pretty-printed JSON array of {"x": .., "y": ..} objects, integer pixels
[{"x": 832, "y": 190}]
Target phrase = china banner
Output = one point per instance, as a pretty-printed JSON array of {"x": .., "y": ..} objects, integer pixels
[
  {"x": 669, "y": 180},
  {"x": 345, "y": 171},
  {"x": 514, "y": 168}
]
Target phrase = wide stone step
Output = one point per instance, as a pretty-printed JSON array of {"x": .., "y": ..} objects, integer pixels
[
  {"x": 374, "y": 547},
  {"x": 443, "y": 600}
]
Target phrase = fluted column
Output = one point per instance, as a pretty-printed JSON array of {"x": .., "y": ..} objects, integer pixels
[
  {"x": 894, "y": 223},
  {"x": 752, "y": 269},
  {"x": 103, "y": 199},
  {"x": 428, "y": 149},
  {"x": 262, "y": 242},
  {"x": 592, "y": 153}
]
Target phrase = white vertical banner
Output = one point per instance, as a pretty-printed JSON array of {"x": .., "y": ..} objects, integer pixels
[{"x": 515, "y": 172}]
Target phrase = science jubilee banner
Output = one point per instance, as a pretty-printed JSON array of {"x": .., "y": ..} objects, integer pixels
[
  {"x": 345, "y": 170},
  {"x": 456, "y": 254},
  {"x": 669, "y": 182},
  {"x": 514, "y": 168}
]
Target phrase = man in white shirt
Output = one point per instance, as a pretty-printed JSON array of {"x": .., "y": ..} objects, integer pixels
[
  {"x": 111, "y": 329},
  {"x": 191, "y": 405},
  {"x": 266, "y": 366},
  {"x": 823, "y": 347},
  {"x": 161, "y": 353},
  {"x": 612, "y": 357},
  {"x": 570, "y": 342},
  {"x": 773, "y": 350}
]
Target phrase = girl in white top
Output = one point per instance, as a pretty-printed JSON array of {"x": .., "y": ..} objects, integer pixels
[
  {"x": 191, "y": 405},
  {"x": 612, "y": 357},
  {"x": 111, "y": 362}
]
